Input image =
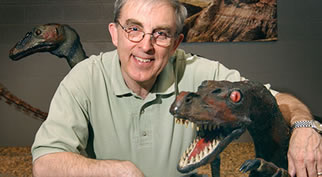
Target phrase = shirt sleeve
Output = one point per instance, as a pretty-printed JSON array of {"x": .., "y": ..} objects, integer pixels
[{"x": 66, "y": 127}]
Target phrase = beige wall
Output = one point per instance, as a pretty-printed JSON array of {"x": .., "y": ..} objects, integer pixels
[{"x": 291, "y": 64}]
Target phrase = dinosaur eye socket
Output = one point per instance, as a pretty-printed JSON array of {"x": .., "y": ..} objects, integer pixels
[
  {"x": 38, "y": 32},
  {"x": 235, "y": 96}
]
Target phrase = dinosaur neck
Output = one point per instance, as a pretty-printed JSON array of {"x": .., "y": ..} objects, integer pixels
[
  {"x": 71, "y": 48},
  {"x": 76, "y": 54},
  {"x": 270, "y": 132}
]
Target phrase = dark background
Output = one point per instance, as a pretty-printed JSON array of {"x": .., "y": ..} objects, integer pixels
[{"x": 292, "y": 64}]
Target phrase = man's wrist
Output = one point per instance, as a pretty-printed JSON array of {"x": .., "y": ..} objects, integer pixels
[
  {"x": 316, "y": 125},
  {"x": 300, "y": 118}
]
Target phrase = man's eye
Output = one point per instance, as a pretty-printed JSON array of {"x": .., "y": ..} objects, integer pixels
[
  {"x": 134, "y": 28},
  {"x": 162, "y": 33}
]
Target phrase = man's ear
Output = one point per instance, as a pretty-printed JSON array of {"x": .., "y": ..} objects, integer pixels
[
  {"x": 112, "y": 27},
  {"x": 178, "y": 41}
]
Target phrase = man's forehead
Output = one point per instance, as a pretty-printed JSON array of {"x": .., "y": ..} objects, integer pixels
[{"x": 152, "y": 13}]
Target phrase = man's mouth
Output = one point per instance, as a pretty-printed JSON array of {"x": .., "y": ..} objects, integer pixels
[{"x": 143, "y": 60}]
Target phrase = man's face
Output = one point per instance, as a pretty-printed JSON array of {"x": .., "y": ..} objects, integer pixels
[{"x": 143, "y": 61}]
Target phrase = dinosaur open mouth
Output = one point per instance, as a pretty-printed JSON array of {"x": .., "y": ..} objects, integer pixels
[{"x": 211, "y": 140}]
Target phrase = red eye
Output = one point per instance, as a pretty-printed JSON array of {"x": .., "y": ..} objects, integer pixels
[{"x": 235, "y": 96}]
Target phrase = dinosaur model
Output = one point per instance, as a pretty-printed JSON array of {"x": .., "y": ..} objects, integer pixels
[
  {"x": 222, "y": 111},
  {"x": 60, "y": 40},
  {"x": 63, "y": 41}
]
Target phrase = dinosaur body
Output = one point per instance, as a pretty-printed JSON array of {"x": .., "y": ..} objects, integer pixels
[
  {"x": 223, "y": 111},
  {"x": 60, "y": 40}
]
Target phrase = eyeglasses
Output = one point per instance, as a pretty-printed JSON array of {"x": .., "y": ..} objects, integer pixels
[{"x": 135, "y": 34}]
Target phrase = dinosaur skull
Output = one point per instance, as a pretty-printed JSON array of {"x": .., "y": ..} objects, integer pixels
[
  {"x": 212, "y": 111},
  {"x": 41, "y": 39}
]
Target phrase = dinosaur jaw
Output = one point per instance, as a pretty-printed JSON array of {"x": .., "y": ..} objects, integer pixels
[
  {"x": 211, "y": 140},
  {"x": 20, "y": 51}
]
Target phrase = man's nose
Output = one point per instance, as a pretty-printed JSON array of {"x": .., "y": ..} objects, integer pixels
[{"x": 147, "y": 42}]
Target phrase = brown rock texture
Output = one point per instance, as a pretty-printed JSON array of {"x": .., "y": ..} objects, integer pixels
[{"x": 233, "y": 21}]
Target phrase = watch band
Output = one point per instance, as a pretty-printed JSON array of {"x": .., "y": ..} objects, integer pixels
[{"x": 308, "y": 124}]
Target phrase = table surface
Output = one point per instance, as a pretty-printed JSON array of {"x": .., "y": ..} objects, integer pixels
[{"x": 16, "y": 161}]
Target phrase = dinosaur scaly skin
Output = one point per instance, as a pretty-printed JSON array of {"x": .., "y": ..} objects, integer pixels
[
  {"x": 60, "y": 40},
  {"x": 222, "y": 111}
]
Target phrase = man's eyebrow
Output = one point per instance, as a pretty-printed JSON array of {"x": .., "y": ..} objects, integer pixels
[
  {"x": 133, "y": 22},
  {"x": 136, "y": 22}
]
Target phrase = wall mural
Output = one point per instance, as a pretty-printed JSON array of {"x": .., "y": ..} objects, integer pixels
[{"x": 230, "y": 20}]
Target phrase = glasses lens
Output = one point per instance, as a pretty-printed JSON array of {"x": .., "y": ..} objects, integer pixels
[
  {"x": 135, "y": 36},
  {"x": 163, "y": 42}
]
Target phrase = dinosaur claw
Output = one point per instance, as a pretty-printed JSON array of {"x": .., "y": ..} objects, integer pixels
[{"x": 249, "y": 165}]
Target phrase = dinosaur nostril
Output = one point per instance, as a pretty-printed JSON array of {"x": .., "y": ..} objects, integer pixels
[
  {"x": 189, "y": 97},
  {"x": 217, "y": 90},
  {"x": 188, "y": 100}
]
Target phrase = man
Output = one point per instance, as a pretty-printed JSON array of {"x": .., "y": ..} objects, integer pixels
[{"x": 114, "y": 107}]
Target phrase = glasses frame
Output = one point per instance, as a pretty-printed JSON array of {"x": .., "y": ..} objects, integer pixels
[{"x": 125, "y": 29}]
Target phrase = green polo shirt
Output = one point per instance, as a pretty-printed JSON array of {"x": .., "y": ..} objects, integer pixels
[{"x": 94, "y": 113}]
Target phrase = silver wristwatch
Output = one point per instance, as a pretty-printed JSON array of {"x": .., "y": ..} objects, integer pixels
[{"x": 309, "y": 124}]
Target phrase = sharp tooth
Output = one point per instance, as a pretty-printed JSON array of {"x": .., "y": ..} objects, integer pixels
[
  {"x": 192, "y": 159},
  {"x": 214, "y": 143},
  {"x": 197, "y": 158},
  {"x": 185, "y": 162},
  {"x": 202, "y": 155},
  {"x": 192, "y": 125},
  {"x": 176, "y": 120},
  {"x": 210, "y": 147},
  {"x": 191, "y": 146},
  {"x": 187, "y": 151},
  {"x": 182, "y": 160},
  {"x": 205, "y": 151},
  {"x": 187, "y": 123},
  {"x": 197, "y": 128},
  {"x": 181, "y": 163}
]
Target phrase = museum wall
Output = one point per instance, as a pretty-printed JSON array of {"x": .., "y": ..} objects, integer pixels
[{"x": 292, "y": 64}]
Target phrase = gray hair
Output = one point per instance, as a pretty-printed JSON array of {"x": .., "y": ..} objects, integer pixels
[{"x": 180, "y": 11}]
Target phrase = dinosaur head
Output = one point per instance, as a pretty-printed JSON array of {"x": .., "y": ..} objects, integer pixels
[
  {"x": 43, "y": 38},
  {"x": 220, "y": 111}
]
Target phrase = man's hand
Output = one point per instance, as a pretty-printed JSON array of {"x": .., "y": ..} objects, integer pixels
[
  {"x": 305, "y": 153},
  {"x": 71, "y": 164}
]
